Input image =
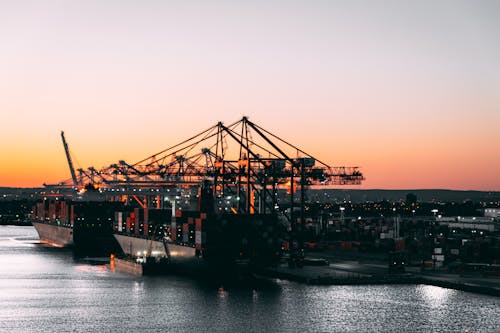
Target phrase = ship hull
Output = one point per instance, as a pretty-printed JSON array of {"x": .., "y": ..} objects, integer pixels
[
  {"x": 87, "y": 227},
  {"x": 83, "y": 240},
  {"x": 221, "y": 243},
  {"x": 136, "y": 246},
  {"x": 54, "y": 235},
  {"x": 182, "y": 260}
]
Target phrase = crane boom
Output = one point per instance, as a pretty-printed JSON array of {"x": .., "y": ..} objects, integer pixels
[
  {"x": 268, "y": 163},
  {"x": 70, "y": 163}
]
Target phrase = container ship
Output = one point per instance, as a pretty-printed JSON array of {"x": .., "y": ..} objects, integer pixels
[
  {"x": 233, "y": 175},
  {"x": 157, "y": 238},
  {"x": 87, "y": 227},
  {"x": 194, "y": 239}
]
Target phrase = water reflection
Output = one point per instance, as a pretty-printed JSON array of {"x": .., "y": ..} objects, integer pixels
[
  {"x": 138, "y": 289},
  {"x": 221, "y": 292},
  {"x": 255, "y": 296},
  {"x": 43, "y": 289},
  {"x": 435, "y": 296}
]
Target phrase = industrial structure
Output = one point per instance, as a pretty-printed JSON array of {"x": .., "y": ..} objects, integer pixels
[{"x": 241, "y": 166}]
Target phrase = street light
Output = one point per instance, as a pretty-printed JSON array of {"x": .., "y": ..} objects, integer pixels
[{"x": 396, "y": 224}]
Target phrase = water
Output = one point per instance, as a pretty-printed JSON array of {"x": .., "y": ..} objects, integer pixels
[{"x": 44, "y": 289}]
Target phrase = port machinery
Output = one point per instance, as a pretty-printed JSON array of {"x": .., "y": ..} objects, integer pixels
[{"x": 242, "y": 165}]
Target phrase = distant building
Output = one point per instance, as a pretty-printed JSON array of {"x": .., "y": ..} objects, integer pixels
[
  {"x": 474, "y": 223},
  {"x": 492, "y": 212}
]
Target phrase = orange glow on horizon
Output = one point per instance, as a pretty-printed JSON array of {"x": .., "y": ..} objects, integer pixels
[
  {"x": 386, "y": 163},
  {"x": 409, "y": 93}
]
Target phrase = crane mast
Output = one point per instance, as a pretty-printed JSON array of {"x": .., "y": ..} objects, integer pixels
[{"x": 70, "y": 162}]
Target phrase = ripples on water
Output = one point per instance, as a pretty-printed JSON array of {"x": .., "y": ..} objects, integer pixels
[{"x": 46, "y": 290}]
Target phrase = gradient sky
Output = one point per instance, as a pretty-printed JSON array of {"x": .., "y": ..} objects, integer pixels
[{"x": 407, "y": 90}]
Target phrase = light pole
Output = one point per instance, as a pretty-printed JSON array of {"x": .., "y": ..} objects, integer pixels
[{"x": 396, "y": 224}]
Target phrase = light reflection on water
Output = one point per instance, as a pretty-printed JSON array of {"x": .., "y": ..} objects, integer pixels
[
  {"x": 435, "y": 296},
  {"x": 44, "y": 289}
]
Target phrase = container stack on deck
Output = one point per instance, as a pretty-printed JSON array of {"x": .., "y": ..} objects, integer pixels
[
  {"x": 58, "y": 212},
  {"x": 253, "y": 238},
  {"x": 88, "y": 226}
]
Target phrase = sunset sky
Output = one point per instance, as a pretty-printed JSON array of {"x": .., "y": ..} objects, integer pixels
[{"x": 407, "y": 90}]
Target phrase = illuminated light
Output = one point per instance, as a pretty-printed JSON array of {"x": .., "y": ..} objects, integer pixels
[{"x": 47, "y": 242}]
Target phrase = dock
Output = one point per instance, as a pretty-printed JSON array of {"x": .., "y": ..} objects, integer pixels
[
  {"x": 350, "y": 272},
  {"x": 328, "y": 275}
]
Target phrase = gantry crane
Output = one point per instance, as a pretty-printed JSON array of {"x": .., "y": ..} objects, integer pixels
[
  {"x": 242, "y": 167},
  {"x": 244, "y": 164}
]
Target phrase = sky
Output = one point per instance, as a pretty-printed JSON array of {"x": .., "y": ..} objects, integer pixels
[{"x": 406, "y": 90}]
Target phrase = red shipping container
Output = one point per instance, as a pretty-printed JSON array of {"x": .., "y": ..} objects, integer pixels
[
  {"x": 399, "y": 244},
  {"x": 72, "y": 214},
  {"x": 128, "y": 224},
  {"x": 173, "y": 231},
  {"x": 198, "y": 234}
]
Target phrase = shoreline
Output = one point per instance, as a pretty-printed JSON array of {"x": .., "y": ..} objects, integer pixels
[
  {"x": 332, "y": 275},
  {"x": 321, "y": 276}
]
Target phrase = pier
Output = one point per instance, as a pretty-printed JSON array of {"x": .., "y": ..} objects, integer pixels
[{"x": 349, "y": 272}]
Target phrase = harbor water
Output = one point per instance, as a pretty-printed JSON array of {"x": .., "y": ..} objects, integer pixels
[{"x": 45, "y": 289}]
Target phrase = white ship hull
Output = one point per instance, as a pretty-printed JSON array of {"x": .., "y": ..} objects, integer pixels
[
  {"x": 136, "y": 247},
  {"x": 54, "y": 235}
]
